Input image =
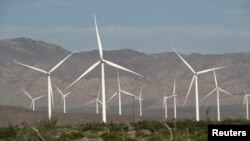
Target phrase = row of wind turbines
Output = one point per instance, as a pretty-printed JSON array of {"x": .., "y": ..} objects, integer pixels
[
  {"x": 120, "y": 91},
  {"x": 101, "y": 62}
]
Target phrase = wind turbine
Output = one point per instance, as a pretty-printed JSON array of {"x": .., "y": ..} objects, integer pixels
[
  {"x": 63, "y": 98},
  {"x": 102, "y": 61},
  {"x": 195, "y": 77},
  {"x": 32, "y": 104},
  {"x": 140, "y": 99},
  {"x": 165, "y": 105},
  {"x": 246, "y": 102},
  {"x": 48, "y": 73},
  {"x": 218, "y": 90},
  {"x": 97, "y": 101},
  {"x": 119, "y": 92}
]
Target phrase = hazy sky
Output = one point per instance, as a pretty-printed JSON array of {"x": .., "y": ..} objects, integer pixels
[{"x": 150, "y": 26}]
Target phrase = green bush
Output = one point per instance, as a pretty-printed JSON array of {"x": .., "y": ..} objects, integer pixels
[
  {"x": 183, "y": 130},
  {"x": 112, "y": 136},
  {"x": 8, "y": 132},
  {"x": 46, "y": 123},
  {"x": 95, "y": 127}
]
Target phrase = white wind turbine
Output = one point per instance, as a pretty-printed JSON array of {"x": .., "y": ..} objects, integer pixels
[
  {"x": 32, "y": 104},
  {"x": 97, "y": 101},
  {"x": 119, "y": 92},
  {"x": 140, "y": 100},
  {"x": 246, "y": 102},
  {"x": 218, "y": 90},
  {"x": 63, "y": 98},
  {"x": 48, "y": 73},
  {"x": 102, "y": 61},
  {"x": 165, "y": 105},
  {"x": 195, "y": 77}
]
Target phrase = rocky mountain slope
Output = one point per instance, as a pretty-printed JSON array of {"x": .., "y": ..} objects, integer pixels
[{"x": 159, "y": 71}]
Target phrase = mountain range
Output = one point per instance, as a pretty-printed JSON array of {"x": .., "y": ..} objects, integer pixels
[{"x": 158, "y": 70}]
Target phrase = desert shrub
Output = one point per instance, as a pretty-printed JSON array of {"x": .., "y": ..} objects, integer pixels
[
  {"x": 130, "y": 139},
  {"x": 25, "y": 133},
  {"x": 235, "y": 121},
  {"x": 46, "y": 123},
  {"x": 118, "y": 127},
  {"x": 152, "y": 126},
  {"x": 70, "y": 136},
  {"x": 112, "y": 136},
  {"x": 201, "y": 136},
  {"x": 142, "y": 133},
  {"x": 8, "y": 132},
  {"x": 93, "y": 127}
]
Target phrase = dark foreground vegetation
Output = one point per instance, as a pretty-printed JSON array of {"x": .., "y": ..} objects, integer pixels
[{"x": 183, "y": 130}]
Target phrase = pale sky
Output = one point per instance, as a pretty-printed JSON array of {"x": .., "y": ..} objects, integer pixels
[{"x": 149, "y": 26}]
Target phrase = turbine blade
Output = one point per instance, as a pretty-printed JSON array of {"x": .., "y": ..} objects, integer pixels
[
  {"x": 185, "y": 62},
  {"x": 100, "y": 101},
  {"x": 215, "y": 80},
  {"x": 192, "y": 81},
  {"x": 112, "y": 97},
  {"x": 140, "y": 93},
  {"x": 99, "y": 92},
  {"x": 59, "y": 90},
  {"x": 127, "y": 93},
  {"x": 118, "y": 80},
  {"x": 27, "y": 94},
  {"x": 174, "y": 87},
  {"x": 87, "y": 71},
  {"x": 120, "y": 67},
  {"x": 89, "y": 102},
  {"x": 98, "y": 40},
  {"x": 57, "y": 65},
  {"x": 208, "y": 94},
  {"x": 169, "y": 96},
  {"x": 39, "y": 97},
  {"x": 225, "y": 92},
  {"x": 67, "y": 94},
  {"x": 208, "y": 70},
  {"x": 34, "y": 68}
]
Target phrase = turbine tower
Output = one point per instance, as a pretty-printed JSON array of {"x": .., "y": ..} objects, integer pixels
[
  {"x": 175, "y": 100},
  {"x": 102, "y": 61},
  {"x": 119, "y": 92},
  {"x": 195, "y": 78},
  {"x": 97, "y": 101},
  {"x": 140, "y": 100},
  {"x": 63, "y": 98},
  {"x": 165, "y": 105},
  {"x": 48, "y": 73},
  {"x": 32, "y": 104},
  {"x": 218, "y": 90},
  {"x": 246, "y": 102}
]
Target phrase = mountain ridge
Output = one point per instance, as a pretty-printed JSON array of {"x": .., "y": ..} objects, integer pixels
[{"x": 159, "y": 71}]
